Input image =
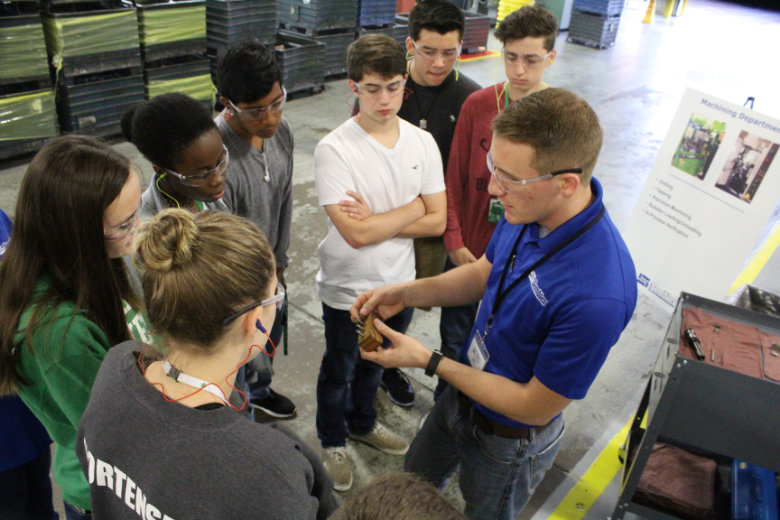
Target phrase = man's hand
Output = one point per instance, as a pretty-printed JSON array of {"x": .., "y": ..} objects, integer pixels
[
  {"x": 461, "y": 256},
  {"x": 404, "y": 350},
  {"x": 357, "y": 209},
  {"x": 387, "y": 301}
]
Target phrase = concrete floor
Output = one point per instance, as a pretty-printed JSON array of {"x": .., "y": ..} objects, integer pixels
[{"x": 635, "y": 87}]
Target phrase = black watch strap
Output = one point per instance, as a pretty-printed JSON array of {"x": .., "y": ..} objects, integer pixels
[{"x": 430, "y": 370}]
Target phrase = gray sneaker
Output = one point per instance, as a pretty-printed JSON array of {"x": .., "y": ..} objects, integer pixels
[
  {"x": 339, "y": 467},
  {"x": 384, "y": 440}
]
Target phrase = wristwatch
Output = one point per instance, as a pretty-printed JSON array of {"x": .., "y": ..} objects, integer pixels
[{"x": 436, "y": 356}]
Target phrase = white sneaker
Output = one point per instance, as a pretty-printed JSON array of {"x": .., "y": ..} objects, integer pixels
[
  {"x": 339, "y": 467},
  {"x": 384, "y": 440}
]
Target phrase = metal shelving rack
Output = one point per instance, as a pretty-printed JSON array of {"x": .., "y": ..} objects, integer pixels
[{"x": 702, "y": 407}]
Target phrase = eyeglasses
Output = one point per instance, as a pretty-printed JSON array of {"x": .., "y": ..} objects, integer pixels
[
  {"x": 530, "y": 61},
  {"x": 430, "y": 53},
  {"x": 121, "y": 231},
  {"x": 256, "y": 113},
  {"x": 277, "y": 299},
  {"x": 372, "y": 89},
  {"x": 201, "y": 179},
  {"x": 507, "y": 184}
]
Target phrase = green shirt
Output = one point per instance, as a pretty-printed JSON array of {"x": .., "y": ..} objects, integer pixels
[{"x": 67, "y": 349}]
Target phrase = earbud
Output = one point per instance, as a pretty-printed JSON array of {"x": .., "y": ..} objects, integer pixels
[{"x": 260, "y": 327}]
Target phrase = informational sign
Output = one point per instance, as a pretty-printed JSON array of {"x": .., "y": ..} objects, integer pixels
[{"x": 714, "y": 185}]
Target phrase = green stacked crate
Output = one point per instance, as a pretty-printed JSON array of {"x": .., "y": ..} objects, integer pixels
[
  {"x": 86, "y": 42},
  {"x": 27, "y": 109},
  {"x": 190, "y": 77},
  {"x": 26, "y": 120},
  {"x": 172, "y": 29}
]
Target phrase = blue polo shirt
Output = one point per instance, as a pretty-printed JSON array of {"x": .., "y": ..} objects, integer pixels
[{"x": 560, "y": 322}]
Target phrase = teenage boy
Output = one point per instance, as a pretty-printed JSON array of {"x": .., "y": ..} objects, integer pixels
[
  {"x": 528, "y": 38},
  {"x": 259, "y": 180},
  {"x": 558, "y": 287},
  {"x": 380, "y": 181},
  {"x": 433, "y": 96}
]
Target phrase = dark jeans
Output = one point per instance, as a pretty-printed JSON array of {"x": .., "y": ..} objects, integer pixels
[
  {"x": 497, "y": 475},
  {"x": 347, "y": 384},
  {"x": 25, "y": 491},
  {"x": 454, "y": 328},
  {"x": 259, "y": 381},
  {"x": 73, "y": 513}
]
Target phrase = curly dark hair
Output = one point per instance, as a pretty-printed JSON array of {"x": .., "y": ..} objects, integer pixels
[
  {"x": 530, "y": 20},
  {"x": 163, "y": 127}
]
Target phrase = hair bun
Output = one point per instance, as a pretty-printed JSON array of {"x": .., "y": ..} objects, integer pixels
[{"x": 168, "y": 241}]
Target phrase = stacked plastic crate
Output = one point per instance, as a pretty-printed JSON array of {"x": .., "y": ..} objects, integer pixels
[
  {"x": 475, "y": 36},
  {"x": 28, "y": 114},
  {"x": 229, "y": 21},
  {"x": 595, "y": 22},
  {"x": 97, "y": 64},
  {"x": 329, "y": 22},
  {"x": 303, "y": 62},
  {"x": 401, "y": 29},
  {"x": 173, "y": 48},
  {"x": 376, "y": 16}
]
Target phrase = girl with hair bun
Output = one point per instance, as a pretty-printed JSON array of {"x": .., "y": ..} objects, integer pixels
[
  {"x": 65, "y": 297},
  {"x": 177, "y": 135},
  {"x": 167, "y": 423}
]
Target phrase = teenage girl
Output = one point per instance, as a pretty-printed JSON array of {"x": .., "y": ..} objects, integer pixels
[
  {"x": 167, "y": 422},
  {"x": 178, "y": 136},
  {"x": 64, "y": 291}
]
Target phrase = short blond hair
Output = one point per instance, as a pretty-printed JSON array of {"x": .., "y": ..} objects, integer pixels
[{"x": 198, "y": 269}]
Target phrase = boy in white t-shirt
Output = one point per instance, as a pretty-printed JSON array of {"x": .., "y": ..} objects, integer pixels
[{"x": 381, "y": 183}]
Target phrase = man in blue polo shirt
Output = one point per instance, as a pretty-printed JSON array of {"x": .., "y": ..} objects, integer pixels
[{"x": 558, "y": 287}]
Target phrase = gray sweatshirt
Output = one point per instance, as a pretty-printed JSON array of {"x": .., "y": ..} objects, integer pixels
[
  {"x": 145, "y": 457},
  {"x": 265, "y": 200}
]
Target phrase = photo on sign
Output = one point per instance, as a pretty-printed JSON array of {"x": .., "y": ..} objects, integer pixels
[
  {"x": 698, "y": 145},
  {"x": 746, "y": 166}
]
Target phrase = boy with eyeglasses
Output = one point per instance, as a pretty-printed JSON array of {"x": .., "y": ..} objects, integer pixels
[
  {"x": 528, "y": 39},
  {"x": 433, "y": 96},
  {"x": 558, "y": 287},
  {"x": 259, "y": 180},
  {"x": 381, "y": 183}
]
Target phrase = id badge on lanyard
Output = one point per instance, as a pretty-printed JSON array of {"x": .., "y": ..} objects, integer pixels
[{"x": 478, "y": 354}]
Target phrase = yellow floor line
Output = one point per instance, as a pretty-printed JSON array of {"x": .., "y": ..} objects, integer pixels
[
  {"x": 589, "y": 488},
  {"x": 759, "y": 260}
]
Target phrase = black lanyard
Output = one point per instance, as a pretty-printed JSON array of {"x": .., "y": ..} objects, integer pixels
[{"x": 501, "y": 294}]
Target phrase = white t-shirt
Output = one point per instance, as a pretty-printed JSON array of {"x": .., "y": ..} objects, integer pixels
[{"x": 350, "y": 159}]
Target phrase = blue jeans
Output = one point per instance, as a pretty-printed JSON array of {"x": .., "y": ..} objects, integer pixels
[
  {"x": 259, "y": 381},
  {"x": 347, "y": 384},
  {"x": 497, "y": 475},
  {"x": 74, "y": 513},
  {"x": 25, "y": 491},
  {"x": 454, "y": 328}
]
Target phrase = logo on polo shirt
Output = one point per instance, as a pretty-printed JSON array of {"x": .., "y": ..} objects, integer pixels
[{"x": 538, "y": 292}]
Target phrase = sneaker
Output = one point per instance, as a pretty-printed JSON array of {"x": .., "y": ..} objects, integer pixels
[
  {"x": 339, "y": 468},
  {"x": 383, "y": 439},
  {"x": 275, "y": 405},
  {"x": 398, "y": 388}
]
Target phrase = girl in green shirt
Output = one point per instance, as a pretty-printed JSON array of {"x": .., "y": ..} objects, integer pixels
[{"x": 64, "y": 289}]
